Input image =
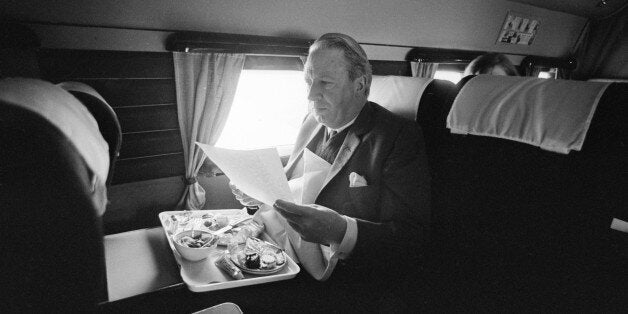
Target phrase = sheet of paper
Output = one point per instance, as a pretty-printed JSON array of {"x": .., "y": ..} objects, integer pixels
[
  {"x": 315, "y": 171},
  {"x": 296, "y": 186},
  {"x": 258, "y": 173}
]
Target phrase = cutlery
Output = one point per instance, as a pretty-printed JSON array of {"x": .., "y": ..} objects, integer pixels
[{"x": 231, "y": 225}]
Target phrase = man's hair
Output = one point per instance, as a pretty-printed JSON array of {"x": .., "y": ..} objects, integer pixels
[
  {"x": 355, "y": 58},
  {"x": 484, "y": 64}
]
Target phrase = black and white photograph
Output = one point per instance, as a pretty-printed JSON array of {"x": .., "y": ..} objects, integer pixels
[{"x": 328, "y": 156}]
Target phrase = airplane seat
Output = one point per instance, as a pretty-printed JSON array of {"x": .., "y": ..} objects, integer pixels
[
  {"x": 417, "y": 99},
  {"x": 53, "y": 168},
  {"x": 107, "y": 119},
  {"x": 411, "y": 97},
  {"x": 519, "y": 227},
  {"x": 432, "y": 116},
  {"x": 404, "y": 95}
]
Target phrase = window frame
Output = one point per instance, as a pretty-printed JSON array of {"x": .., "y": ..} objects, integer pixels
[{"x": 265, "y": 63}]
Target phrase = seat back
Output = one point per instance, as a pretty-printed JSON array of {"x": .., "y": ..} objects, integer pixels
[
  {"x": 107, "y": 120},
  {"x": 520, "y": 228},
  {"x": 405, "y": 95},
  {"x": 51, "y": 205}
]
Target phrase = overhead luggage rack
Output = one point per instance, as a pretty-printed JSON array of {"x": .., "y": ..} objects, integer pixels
[{"x": 236, "y": 43}]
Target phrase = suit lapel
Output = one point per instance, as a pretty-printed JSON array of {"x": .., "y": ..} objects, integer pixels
[{"x": 354, "y": 137}]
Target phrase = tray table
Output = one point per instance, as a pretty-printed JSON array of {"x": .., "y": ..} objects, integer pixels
[{"x": 204, "y": 275}]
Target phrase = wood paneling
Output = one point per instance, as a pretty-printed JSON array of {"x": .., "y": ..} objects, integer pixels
[
  {"x": 151, "y": 143},
  {"x": 61, "y": 64},
  {"x": 136, "y": 204},
  {"x": 140, "y": 87},
  {"x": 135, "y": 92},
  {"x": 146, "y": 168},
  {"x": 147, "y": 118}
]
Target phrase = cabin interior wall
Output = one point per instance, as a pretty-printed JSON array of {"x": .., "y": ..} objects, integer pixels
[{"x": 459, "y": 24}]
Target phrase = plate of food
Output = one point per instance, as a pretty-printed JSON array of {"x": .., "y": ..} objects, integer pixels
[{"x": 259, "y": 257}]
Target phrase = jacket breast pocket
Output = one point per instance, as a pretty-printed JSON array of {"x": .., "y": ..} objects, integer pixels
[{"x": 364, "y": 202}]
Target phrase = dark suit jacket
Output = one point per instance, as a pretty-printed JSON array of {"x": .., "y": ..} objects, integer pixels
[{"x": 392, "y": 212}]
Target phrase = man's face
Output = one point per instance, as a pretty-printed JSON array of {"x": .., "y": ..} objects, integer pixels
[{"x": 334, "y": 99}]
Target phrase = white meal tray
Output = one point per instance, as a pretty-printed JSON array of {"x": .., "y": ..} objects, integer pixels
[{"x": 204, "y": 276}]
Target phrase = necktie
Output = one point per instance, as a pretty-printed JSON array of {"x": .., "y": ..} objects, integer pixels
[
  {"x": 331, "y": 134},
  {"x": 328, "y": 149}
]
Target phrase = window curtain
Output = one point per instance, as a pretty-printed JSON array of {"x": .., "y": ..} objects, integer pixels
[
  {"x": 205, "y": 84},
  {"x": 603, "y": 48},
  {"x": 423, "y": 69}
]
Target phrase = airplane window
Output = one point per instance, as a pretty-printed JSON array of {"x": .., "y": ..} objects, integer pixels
[
  {"x": 548, "y": 73},
  {"x": 452, "y": 76},
  {"x": 267, "y": 111},
  {"x": 544, "y": 74}
]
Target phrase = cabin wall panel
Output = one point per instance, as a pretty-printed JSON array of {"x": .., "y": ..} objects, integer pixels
[
  {"x": 136, "y": 205},
  {"x": 148, "y": 118},
  {"x": 151, "y": 143},
  {"x": 62, "y": 64},
  {"x": 140, "y": 87},
  {"x": 135, "y": 92},
  {"x": 147, "y": 168}
]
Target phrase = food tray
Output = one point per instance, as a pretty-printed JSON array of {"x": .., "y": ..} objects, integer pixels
[{"x": 204, "y": 276}]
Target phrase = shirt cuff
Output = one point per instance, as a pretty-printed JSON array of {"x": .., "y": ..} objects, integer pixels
[{"x": 343, "y": 250}]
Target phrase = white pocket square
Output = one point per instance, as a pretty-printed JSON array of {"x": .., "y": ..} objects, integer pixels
[{"x": 356, "y": 180}]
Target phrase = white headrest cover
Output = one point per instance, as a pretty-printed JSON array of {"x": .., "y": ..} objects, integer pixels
[
  {"x": 399, "y": 94},
  {"x": 552, "y": 114},
  {"x": 66, "y": 113}
]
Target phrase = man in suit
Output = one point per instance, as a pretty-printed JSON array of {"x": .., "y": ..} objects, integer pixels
[{"x": 377, "y": 226}]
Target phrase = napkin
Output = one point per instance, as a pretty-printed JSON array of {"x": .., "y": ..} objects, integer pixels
[
  {"x": 274, "y": 226},
  {"x": 305, "y": 186},
  {"x": 315, "y": 258}
]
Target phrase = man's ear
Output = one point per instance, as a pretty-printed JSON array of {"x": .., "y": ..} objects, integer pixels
[{"x": 360, "y": 84}]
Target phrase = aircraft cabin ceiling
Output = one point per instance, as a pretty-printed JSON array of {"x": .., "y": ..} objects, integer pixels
[
  {"x": 585, "y": 8},
  {"x": 450, "y": 24}
]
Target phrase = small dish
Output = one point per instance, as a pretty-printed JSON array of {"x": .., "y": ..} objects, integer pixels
[
  {"x": 207, "y": 241},
  {"x": 261, "y": 250},
  {"x": 245, "y": 269}
]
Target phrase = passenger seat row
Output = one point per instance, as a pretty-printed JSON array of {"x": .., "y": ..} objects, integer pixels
[{"x": 518, "y": 227}]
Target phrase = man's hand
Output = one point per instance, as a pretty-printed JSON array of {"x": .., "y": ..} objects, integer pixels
[
  {"x": 315, "y": 223},
  {"x": 244, "y": 199}
]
